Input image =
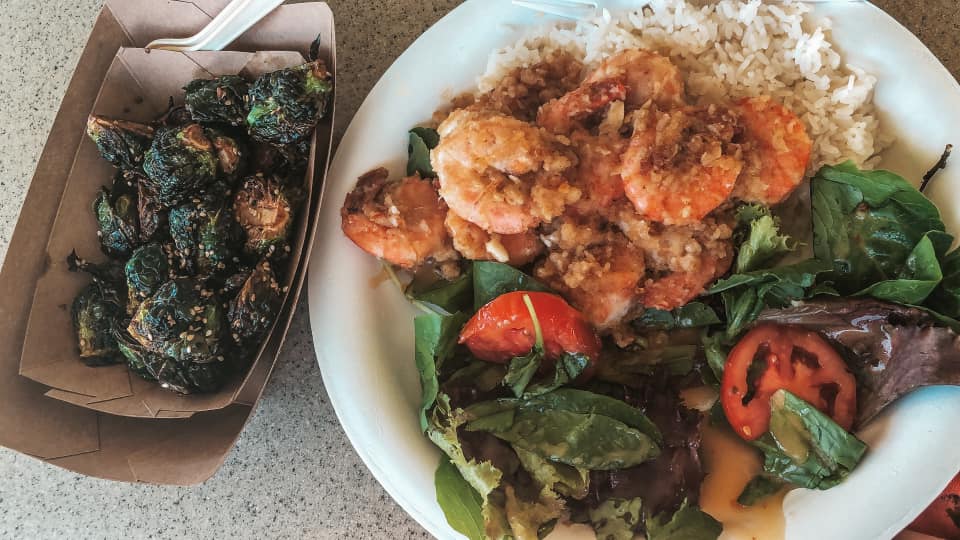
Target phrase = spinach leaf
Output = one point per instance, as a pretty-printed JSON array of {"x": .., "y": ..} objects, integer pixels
[
  {"x": 566, "y": 369},
  {"x": 617, "y": 519},
  {"x": 945, "y": 298},
  {"x": 867, "y": 224},
  {"x": 687, "y": 523},
  {"x": 746, "y": 295},
  {"x": 633, "y": 368},
  {"x": 521, "y": 371},
  {"x": 435, "y": 337},
  {"x": 587, "y": 441},
  {"x": 461, "y": 504},
  {"x": 805, "y": 447},
  {"x": 716, "y": 350},
  {"x": 763, "y": 243},
  {"x": 918, "y": 278},
  {"x": 450, "y": 296},
  {"x": 692, "y": 315},
  {"x": 491, "y": 279},
  {"x": 584, "y": 402},
  {"x": 574, "y": 427},
  {"x": 759, "y": 488},
  {"x": 422, "y": 141}
]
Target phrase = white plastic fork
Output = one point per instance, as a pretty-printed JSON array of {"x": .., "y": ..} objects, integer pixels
[
  {"x": 228, "y": 25},
  {"x": 582, "y": 10},
  {"x": 571, "y": 9}
]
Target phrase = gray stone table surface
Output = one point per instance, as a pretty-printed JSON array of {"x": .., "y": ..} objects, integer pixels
[{"x": 293, "y": 473}]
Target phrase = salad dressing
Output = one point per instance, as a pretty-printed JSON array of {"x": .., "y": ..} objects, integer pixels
[{"x": 730, "y": 464}]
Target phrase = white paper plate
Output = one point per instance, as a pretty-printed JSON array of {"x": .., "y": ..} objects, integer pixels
[{"x": 363, "y": 330}]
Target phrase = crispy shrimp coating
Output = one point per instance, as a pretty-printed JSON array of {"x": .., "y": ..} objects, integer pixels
[
  {"x": 647, "y": 76},
  {"x": 500, "y": 173},
  {"x": 777, "y": 151},
  {"x": 476, "y": 244},
  {"x": 571, "y": 110},
  {"x": 598, "y": 172},
  {"x": 682, "y": 260},
  {"x": 681, "y": 164},
  {"x": 401, "y": 222},
  {"x": 595, "y": 267}
]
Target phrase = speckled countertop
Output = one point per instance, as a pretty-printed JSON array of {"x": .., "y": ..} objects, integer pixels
[{"x": 293, "y": 473}]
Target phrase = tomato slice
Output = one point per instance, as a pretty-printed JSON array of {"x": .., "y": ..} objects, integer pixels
[
  {"x": 503, "y": 329},
  {"x": 938, "y": 519},
  {"x": 771, "y": 357}
]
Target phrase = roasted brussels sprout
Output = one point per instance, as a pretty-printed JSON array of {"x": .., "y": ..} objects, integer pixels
[
  {"x": 120, "y": 142},
  {"x": 180, "y": 163},
  {"x": 286, "y": 105},
  {"x": 205, "y": 234},
  {"x": 181, "y": 321},
  {"x": 255, "y": 307},
  {"x": 152, "y": 216},
  {"x": 96, "y": 311},
  {"x": 185, "y": 378},
  {"x": 221, "y": 100},
  {"x": 265, "y": 215},
  {"x": 117, "y": 222},
  {"x": 146, "y": 270},
  {"x": 231, "y": 156}
]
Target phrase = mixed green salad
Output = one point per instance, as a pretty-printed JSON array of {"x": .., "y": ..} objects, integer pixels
[{"x": 540, "y": 421}]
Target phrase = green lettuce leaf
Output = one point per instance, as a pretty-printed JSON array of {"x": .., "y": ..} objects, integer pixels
[
  {"x": 566, "y": 370},
  {"x": 945, "y": 299},
  {"x": 449, "y": 296},
  {"x": 461, "y": 504},
  {"x": 491, "y": 279},
  {"x": 435, "y": 337},
  {"x": 692, "y": 315},
  {"x": 422, "y": 141},
  {"x": 805, "y": 447},
  {"x": 763, "y": 243},
  {"x": 617, "y": 519},
  {"x": 564, "y": 479},
  {"x": 634, "y": 368},
  {"x": 759, "y": 488},
  {"x": 687, "y": 523}
]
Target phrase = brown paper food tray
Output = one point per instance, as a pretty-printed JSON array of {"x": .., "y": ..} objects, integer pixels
[
  {"x": 156, "y": 450},
  {"x": 137, "y": 87}
]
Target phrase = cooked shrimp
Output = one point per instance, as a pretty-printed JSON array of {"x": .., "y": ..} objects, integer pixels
[
  {"x": 476, "y": 244},
  {"x": 564, "y": 114},
  {"x": 681, "y": 164},
  {"x": 501, "y": 173},
  {"x": 596, "y": 268},
  {"x": 647, "y": 76},
  {"x": 400, "y": 222},
  {"x": 682, "y": 259},
  {"x": 777, "y": 151},
  {"x": 598, "y": 173}
]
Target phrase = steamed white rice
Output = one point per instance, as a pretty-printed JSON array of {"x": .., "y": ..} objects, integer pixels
[{"x": 727, "y": 50}]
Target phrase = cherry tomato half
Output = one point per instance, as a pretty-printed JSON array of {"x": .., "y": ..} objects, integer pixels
[
  {"x": 773, "y": 357},
  {"x": 503, "y": 329},
  {"x": 937, "y": 520}
]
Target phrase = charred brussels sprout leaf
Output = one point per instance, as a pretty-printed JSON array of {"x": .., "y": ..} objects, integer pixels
[
  {"x": 181, "y": 321},
  {"x": 120, "y": 142},
  {"x": 180, "y": 163},
  {"x": 221, "y": 100},
  {"x": 146, "y": 270},
  {"x": 231, "y": 156},
  {"x": 266, "y": 216},
  {"x": 286, "y": 105},
  {"x": 254, "y": 309},
  {"x": 152, "y": 216},
  {"x": 205, "y": 234},
  {"x": 96, "y": 311},
  {"x": 117, "y": 225},
  {"x": 140, "y": 361}
]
